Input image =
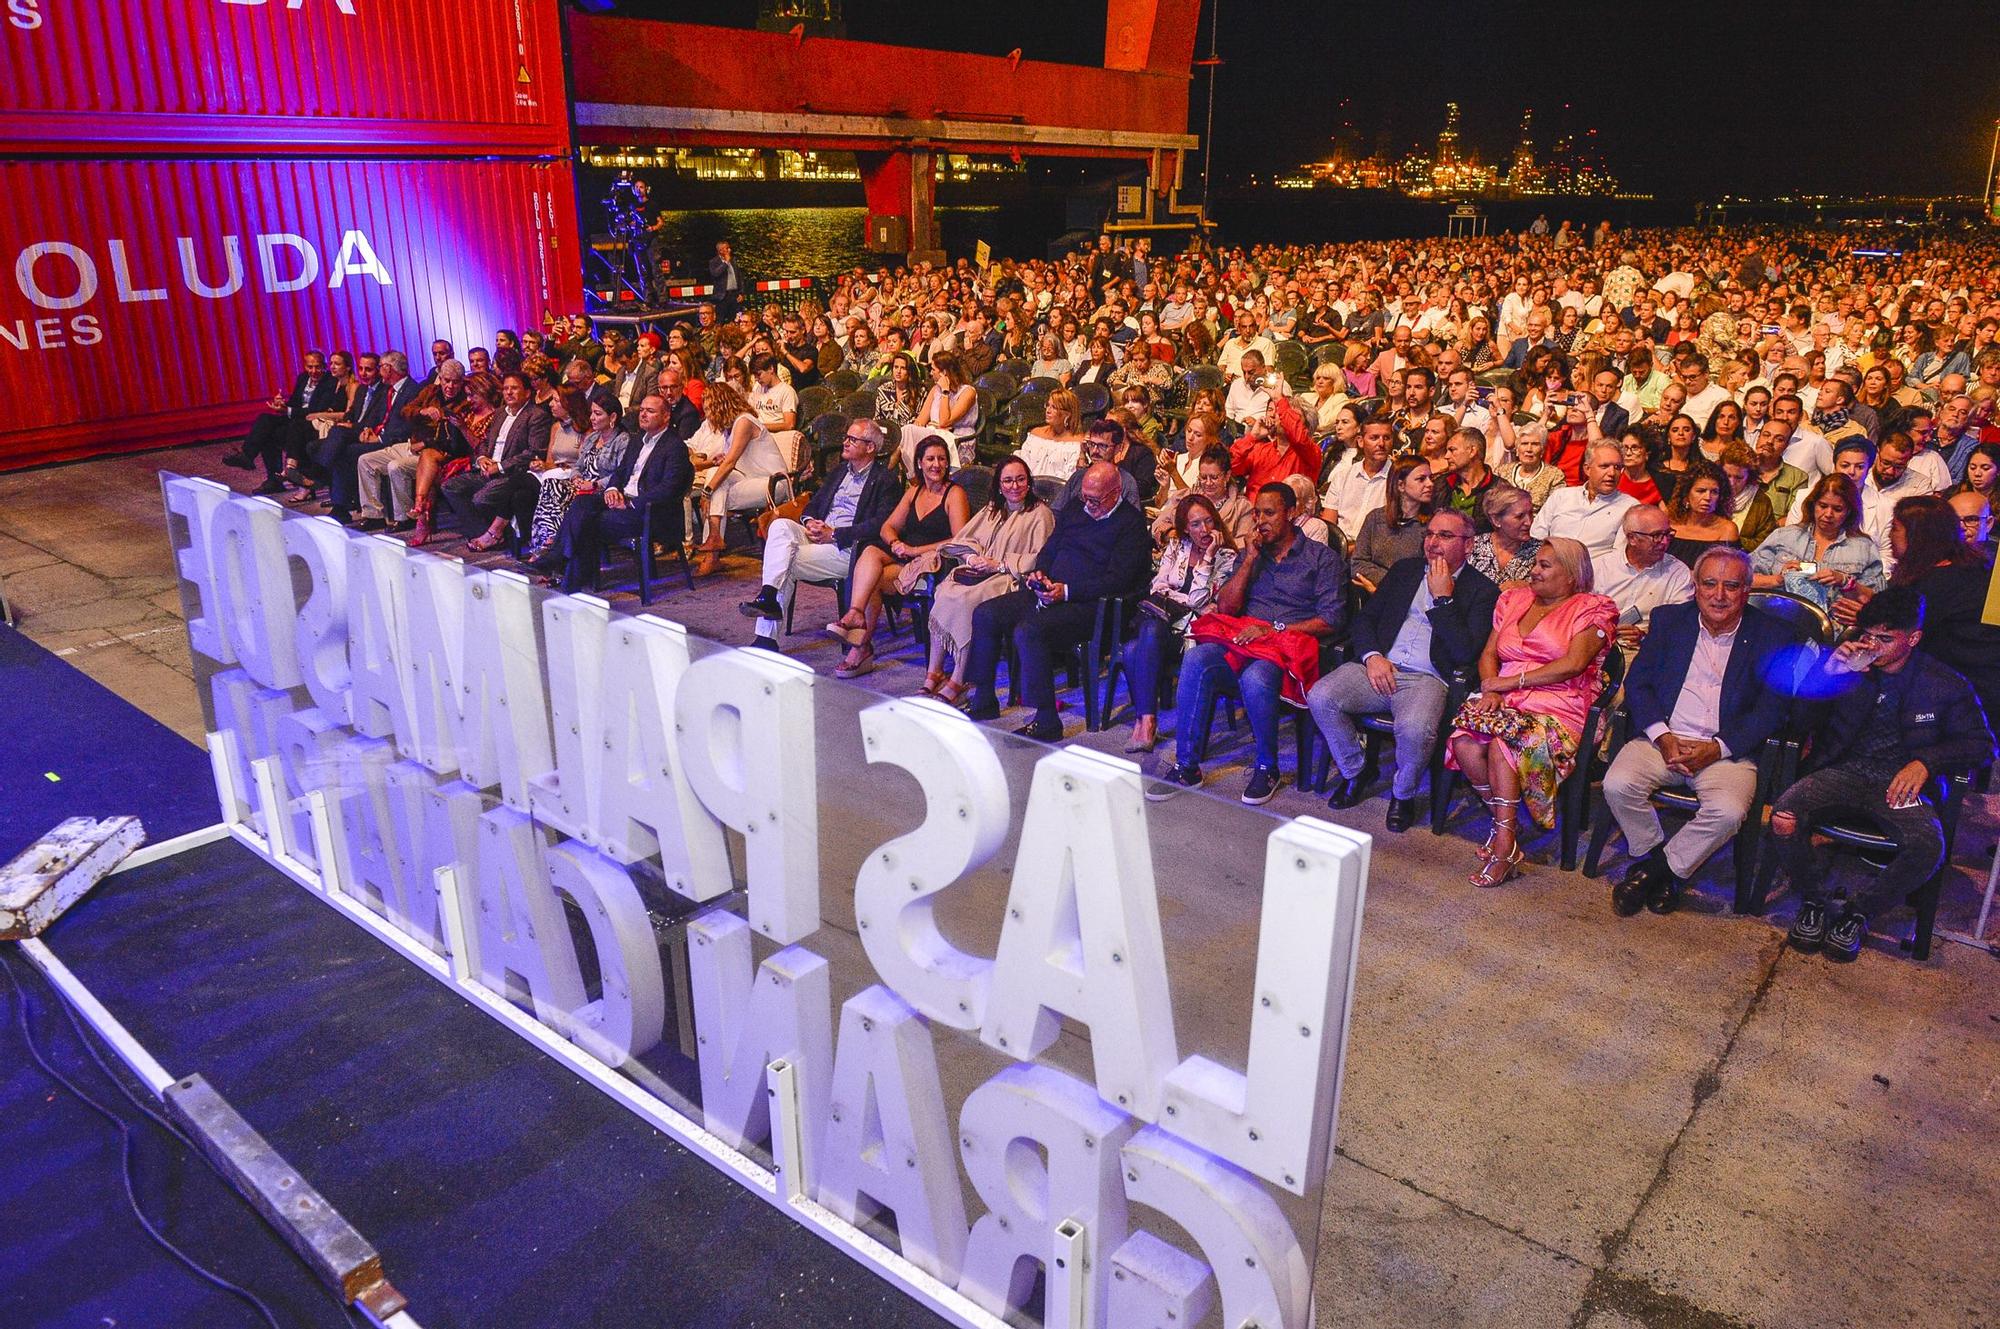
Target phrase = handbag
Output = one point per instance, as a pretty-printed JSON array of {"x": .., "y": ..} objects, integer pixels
[
  {"x": 965, "y": 576},
  {"x": 1166, "y": 609}
]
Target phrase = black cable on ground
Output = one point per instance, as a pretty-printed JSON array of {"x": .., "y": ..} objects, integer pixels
[{"x": 124, "y": 1129}]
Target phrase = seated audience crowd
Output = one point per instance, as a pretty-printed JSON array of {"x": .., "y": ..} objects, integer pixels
[{"x": 1481, "y": 499}]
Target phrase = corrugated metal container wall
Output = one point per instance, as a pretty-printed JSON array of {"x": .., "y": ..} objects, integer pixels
[
  {"x": 150, "y": 302},
  {"x": 344, "y": 78}
]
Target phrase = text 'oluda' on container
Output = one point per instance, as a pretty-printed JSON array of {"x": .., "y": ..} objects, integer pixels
[
  {"x": 144, "y": 303},
  {"x": 343, "y": 78}
]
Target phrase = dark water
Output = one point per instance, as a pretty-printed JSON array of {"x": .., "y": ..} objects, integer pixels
[
  {"x": 816, "y": 241},
  {"x": 813, "y": 242}
]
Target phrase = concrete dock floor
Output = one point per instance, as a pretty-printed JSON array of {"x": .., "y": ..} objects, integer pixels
[{"x": 1552, "y": 1117}]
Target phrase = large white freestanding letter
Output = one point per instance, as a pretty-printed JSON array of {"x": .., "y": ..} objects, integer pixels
[
  {"x": 1004, "y": 1128},
  {"x": 888, "y": 1143},
  {"x": 746, "y": 731},
  {"x": 966, "y": 815},
  {"x": 1255, "y": 1257},
  {"x": 749, "y": 1015},
  {"x": 645, "y": 804},
  {"x": 1082, "y": 933},
  {"x": 1277, "y": 1120}
]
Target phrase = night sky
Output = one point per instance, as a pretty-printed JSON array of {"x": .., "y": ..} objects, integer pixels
[{"x": 1689, "y": 100}]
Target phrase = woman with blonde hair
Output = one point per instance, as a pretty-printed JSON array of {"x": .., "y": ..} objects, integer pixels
[
  {"x": 1516, "y": 739},
  {"x": 1054, "y": 448},
  {"x": 740, "y": 457}
]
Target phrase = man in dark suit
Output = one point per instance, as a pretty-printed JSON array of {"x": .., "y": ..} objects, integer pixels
[
  {"x": 280, "y": 431},
  {"x": 336, "y": 453},
  {"x": 1538, "y": 335},
  {"x": 1702, "y": 702},
  {"x": 1429, "y": 619},
  {"x": 1611, "y": 417},
  {"x": 843, "y": 516},
  {"x": 727, "y": 279},
  {"x": 498, "y": 486},
  {"x": 654, "y": 476},
  {"x": 391, "y": 439},
  {"x": 1100, "y": 548}
]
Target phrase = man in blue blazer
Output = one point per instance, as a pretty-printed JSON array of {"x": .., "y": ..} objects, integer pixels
[{"x": 1702, "y": 702}]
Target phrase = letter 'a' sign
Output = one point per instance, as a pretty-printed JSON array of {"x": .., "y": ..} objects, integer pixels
[{"x": 972, "y": 1008}]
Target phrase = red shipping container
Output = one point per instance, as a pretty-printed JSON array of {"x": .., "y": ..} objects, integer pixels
[
  {"x": 144, "y": 303},
  {"x": 339, "y": 78}
]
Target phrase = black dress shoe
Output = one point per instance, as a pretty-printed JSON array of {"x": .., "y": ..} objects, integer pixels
[
  {"x": 403, "y": 527},
  {"x": 1042, "y": 731},
  {"x": 271, "y": 486},
  {"x": 341, "y": 515},
  {"x": 1402, "y": 814},
  {"x": 980, "y": 706},
  {"x": 1346, "y": 793},
  {"x": 371, "y": 524},
  {"x": 1628, "y": 897},
  {"x": 763, "y": 605},
  {"x": 1664, "y": 895},
  {"x": 239, "y": 461}
]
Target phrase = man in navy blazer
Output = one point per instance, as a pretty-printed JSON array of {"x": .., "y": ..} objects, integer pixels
[
  {"x": 1702, "y": 703},
  {"x": 1430, "y": 618},
  {"x": 337, "y": 452},
  {"x": 655, "y": 475}
]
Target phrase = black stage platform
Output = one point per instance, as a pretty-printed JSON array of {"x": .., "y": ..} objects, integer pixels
[{"x": 500, "y": 1189}]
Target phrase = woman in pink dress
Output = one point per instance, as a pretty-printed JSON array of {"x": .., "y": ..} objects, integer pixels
[{"x": 1516, "y": 738}]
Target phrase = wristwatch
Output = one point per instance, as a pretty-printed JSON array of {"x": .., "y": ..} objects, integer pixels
[{"x": 1277, "y": 626}]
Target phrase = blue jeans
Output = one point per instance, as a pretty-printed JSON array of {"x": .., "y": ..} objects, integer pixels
[
  {"x": 1146, "y": 657},
  {"x": 1205, "y": 673}
]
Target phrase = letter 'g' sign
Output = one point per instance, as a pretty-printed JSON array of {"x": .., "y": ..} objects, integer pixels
[{"x": 982, "y": 1005}]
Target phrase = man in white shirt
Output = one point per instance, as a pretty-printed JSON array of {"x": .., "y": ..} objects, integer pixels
[
  {"x": 1808, "y": 450},
  {"x": 1460, "y": 404},
  {"x": 1360, "y": 481},
  {"x": 1593, "y": 512},
  {"x": 1642, "y": 576},
  {"x": 1890, "y": 480},
  {"x": 1703, "y": 393},
  {"x": 1247, "y": 338},
  {"x": 1250, "y": 395}
]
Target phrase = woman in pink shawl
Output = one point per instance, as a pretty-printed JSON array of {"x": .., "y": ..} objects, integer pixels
[{"x": 1516, "y": 738}]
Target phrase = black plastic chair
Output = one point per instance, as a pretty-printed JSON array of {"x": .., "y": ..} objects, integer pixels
[
  {"x": 1092, "y": 399},
  {"x": 1017, "y": 367},
  {"x": 1682, "y": 800},
  {"x": 859, "y": 404},
  {"x": 1203, "y": 376},
  {"x": 643, "y": 558},
  {"x": 1379, "y": 731},
  {"x": 815, "y": 401},
  {"x": 841, "y": 382},
  {"x": 1046, "y": 489},
  {"x": 1004, "y": 387},
  {"x": 1949, "y": 795},
  {"x": 977, "y": 482},
  {"x": 1805, "y": 617},
  {"x": 827, "y": 433},
  {"x": 1292, "y": 360},
  {"x": 1574, "y": 793}
]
